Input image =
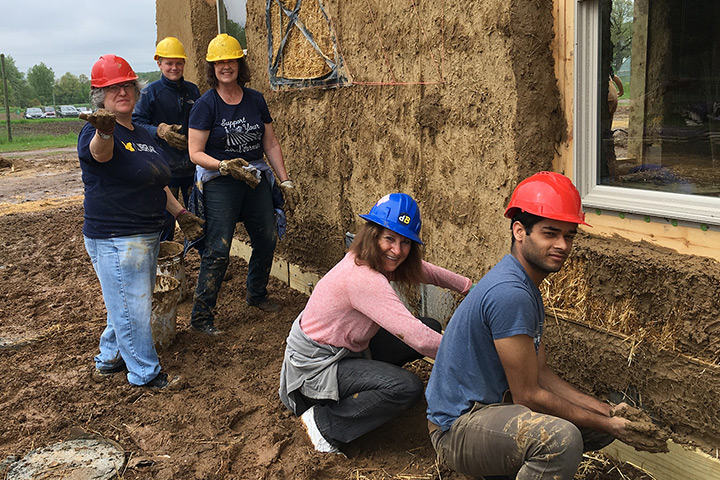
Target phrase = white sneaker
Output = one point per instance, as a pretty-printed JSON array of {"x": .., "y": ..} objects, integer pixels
[{"x": 321, "y": 445}]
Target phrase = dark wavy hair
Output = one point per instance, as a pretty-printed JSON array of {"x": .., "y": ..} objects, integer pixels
[
  {"x": 242, "y": 78},
  {"x": 367, "y": 252},
  {"x": 527, "y": 220}
]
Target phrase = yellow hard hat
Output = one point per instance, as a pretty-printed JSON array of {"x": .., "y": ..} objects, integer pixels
[
  {"x": 223, "y": 47},
  {"x": 170, "y": 47}
]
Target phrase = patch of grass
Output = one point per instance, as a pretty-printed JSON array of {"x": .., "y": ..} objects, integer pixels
[{"x": 37, "y": 142}]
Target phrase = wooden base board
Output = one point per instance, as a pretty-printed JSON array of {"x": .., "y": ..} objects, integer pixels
[{"x": 679, "y": 463}]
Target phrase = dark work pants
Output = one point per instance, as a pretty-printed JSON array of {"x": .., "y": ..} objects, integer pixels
[{"x": 371, "y": 391}]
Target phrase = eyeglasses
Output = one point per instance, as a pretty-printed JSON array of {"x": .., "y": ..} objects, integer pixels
[{"x": 125, "y": 86}]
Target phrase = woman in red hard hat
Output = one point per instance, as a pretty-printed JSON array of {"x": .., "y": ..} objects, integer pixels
[
  {"x": 342, "y": 369},
  {"x": 125, "y": 177}
]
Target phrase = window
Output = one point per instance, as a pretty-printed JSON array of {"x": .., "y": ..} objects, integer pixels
[
  {"x": 231, "y": 19},
  {"x": 647, "y": 108}
]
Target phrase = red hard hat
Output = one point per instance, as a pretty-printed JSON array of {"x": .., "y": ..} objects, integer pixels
[
  {"x": 111, "y": 70},
  {"x": 547, "y": 195}
]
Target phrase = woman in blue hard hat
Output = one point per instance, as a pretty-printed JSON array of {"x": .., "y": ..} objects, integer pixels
[{"x": 342, "y": 369}]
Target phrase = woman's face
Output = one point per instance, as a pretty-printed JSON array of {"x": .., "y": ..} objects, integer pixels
[
  {"x": 120, "y": 99},
  {"x": 394, "y": 249},
  {"x": 226, "y": 71}
]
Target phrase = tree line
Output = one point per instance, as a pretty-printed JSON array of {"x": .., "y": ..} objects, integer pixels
[{"x": 40, "y": 87}]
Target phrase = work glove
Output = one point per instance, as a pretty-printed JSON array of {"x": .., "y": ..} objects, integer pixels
[
  {"x": 191, "y": 225},
  {"x": 240, "y": 170},
  {"x": 290, "y": 193},
  {"x": 169, "y": 134},
  {"x": 103, "y": 120}
]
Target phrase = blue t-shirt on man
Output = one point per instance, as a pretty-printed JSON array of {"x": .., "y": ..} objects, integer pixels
[
  {"x": 504, "y": 303},
  {"x": 125, "y": 195}
]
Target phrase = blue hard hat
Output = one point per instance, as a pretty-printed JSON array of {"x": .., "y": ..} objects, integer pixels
[{"x": 397, "y": 212}]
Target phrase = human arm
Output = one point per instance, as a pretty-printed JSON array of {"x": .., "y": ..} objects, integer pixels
[
  {"x": 191, "y": 225},
  {"x": 197, "y": 139},
  {"x": 142, "y": 114},
  {"x": 534, "y": 385},
  {"x": 374, "y": 297},
  {"x": 273, "y": 152},
  {"x": 444, "y": 278}
]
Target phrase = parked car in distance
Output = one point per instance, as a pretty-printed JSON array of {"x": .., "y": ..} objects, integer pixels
[
  {"x": 33, "y": 112},
  {"x": 68, "y": 111},
  {"x": 87, "y": 110},
  {"x": 48, "y": 112}
]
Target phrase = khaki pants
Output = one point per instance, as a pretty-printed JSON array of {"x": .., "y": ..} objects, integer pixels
[{"x": 511, "y": 440}]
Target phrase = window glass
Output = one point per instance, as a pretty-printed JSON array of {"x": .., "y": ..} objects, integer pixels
[
  {"x": 659, "y": 89},
  {"x": 231, "y": 19}
]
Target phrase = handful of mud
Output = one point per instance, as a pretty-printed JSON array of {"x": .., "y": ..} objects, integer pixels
[{"x": 643, "y": 434}]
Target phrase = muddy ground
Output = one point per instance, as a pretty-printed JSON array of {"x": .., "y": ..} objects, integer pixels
[{"x": 227, "y": 421}]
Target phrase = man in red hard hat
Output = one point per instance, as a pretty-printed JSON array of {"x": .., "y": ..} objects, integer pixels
[{"x": 495, "y": 408}]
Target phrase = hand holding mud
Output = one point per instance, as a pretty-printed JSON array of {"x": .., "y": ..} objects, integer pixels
[
  {"x": 170, "y": 135},
  {"x": 103, "y": 120},
  {"x": 191, "y": 225},
  {"x": 239, "y": 169},
  {"x": 290, "y": 194},
  {"x": 640, "y": 432}
]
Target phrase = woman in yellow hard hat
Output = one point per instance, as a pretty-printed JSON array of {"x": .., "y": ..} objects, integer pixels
[{"x": 230, "y": 133}]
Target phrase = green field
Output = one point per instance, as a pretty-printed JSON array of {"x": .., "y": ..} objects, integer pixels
[{"x": 39, "y": 134}]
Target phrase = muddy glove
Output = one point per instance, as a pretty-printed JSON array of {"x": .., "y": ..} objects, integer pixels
[
  {"x": 191, "y": 226},
  {"x": 170, "y": 135},
  {"x": 103, "y": 120},
  {"x": 240, "y": 170},
  {"x": 290, "y": 193}
]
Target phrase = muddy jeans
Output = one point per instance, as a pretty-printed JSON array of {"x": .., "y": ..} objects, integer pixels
[
  {"x": 515, "y": 442},
  {"x": 227, "y": 202}
]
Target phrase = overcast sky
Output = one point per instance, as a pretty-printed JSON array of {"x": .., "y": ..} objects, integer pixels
[{"x": 69, "y": 36}]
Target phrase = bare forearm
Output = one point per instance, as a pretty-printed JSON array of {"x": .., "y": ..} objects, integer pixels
[
  {"x": 554, "y": 384},
  {"x": 101, "y": 149}
]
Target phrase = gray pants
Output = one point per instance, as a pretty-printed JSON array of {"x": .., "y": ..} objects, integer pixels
[{"x": 513, "y": 441}]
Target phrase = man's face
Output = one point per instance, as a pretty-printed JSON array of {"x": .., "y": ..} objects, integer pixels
[
  {"x": 546, "y": 248},
  {"x": 172, "y": 68}
]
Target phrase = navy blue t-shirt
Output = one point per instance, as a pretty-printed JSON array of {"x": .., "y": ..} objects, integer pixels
[
  {"x": 124, "y": 196},
  {"x": 235, "y": 130}
]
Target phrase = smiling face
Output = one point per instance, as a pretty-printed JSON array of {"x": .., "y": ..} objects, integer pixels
[
  {"x": 394, "y": 249},
  {"x": 120, "y": 99},
  {"x": 172, "y": 68},
  {"x": 226, "y": 71},
  {"x": 545, "y": 249}
]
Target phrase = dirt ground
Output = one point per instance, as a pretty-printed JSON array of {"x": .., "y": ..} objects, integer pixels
[{"x": 227, "y": 421}]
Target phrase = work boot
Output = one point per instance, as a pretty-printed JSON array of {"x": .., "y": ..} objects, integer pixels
[
  {"x": 207, "y": 329},
  {"x": 163, "y": 382},
  {"x": 267, "y": 305},
  {"x": 100, "y": 374}
]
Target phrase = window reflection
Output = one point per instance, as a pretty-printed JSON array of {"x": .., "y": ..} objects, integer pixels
[{"x": 660, "y": 95}]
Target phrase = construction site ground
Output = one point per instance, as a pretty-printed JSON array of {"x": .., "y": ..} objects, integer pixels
[{"x": 226, "y": 422}]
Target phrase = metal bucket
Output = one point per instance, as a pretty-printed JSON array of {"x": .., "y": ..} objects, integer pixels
[
  {"x": 170, "y": 262},
  {"x": 164, "y": 310}
]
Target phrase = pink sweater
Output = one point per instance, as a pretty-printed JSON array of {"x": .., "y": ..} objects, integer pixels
[{"x": 350, "y": 304}]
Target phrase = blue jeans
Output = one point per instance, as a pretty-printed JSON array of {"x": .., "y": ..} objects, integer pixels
[
  {"x": 227, "y": 202},
  {"x": 126, "y": 269},
  {"x": 371, "y": 391}
]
